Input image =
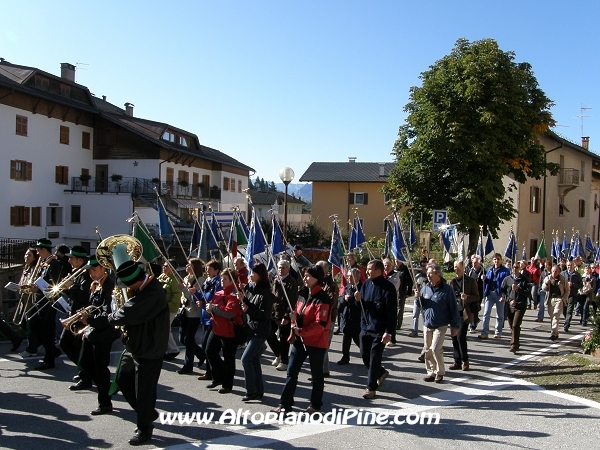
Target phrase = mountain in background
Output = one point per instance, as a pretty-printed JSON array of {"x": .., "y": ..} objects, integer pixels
[{"x": 301, "y": 190}]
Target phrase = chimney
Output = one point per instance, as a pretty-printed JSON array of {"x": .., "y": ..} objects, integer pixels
[
  {"x": 129, "y": 109},
  {"x": 352, "y": 159},
  {"x": 382, "y": 170},
  {"x": 104, "y": 97},
  {"x": 67, "y": 71},
  {"x": 585, "y": 142}
]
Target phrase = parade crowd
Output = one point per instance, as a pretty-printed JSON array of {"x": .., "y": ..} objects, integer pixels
[{"x": 293, "y": 311}]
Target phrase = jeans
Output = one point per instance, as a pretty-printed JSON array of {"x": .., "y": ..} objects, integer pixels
[
  {"x": 585, "y": 314},
  {"x": 542, "y": 303},
  {"x": 371, "y": 350},
  {"x": 573, "y": 301},
  {"x": 434, "y": 350},
  {"x": 491, "y": 300},
  {"x": 252, "y": 369},
  {"x": 315, "y": 358}
]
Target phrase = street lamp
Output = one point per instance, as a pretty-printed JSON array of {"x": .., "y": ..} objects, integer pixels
[{"x": 286, "y": 175}]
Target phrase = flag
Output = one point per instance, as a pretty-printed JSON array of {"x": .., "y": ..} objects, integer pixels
[
  {"x": 398, "y": 241},
  {"x": 211, "y": 240},
  {"x": 149, "y": 251},
  {"x": 524, "y": 253},
  {"x": 360, "y": 236},
  {"x": 202, "y": 244},
  {"x": 541, "y": 251},
  {"x": 511, "y": 247},
  {"x": 479, "y": 251},
  {"x": 276, "y": 239},
  {"x": 336, "y": 252},
  {"x": 256, "y": 241},
  {"x": 489, "y": 244},
  {"x": 245, "y": 228},
  {"x": 565, "y": 246},
  {"x": 589, "y": 245},
  {"x": 165, "y": 229},
  {"x": 597, "y": 256},
  {"x": 216, "y": 229},
  {"x": 236, "y": 235},
  {"x": 352, "y": 239},
  {"x": 387, "y": 245},
  {"x": 412, "y": 236},
  {"x": 195, "y": 242}
]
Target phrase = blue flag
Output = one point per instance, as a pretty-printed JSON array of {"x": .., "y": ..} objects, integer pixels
[
  {"x": 412, "y": 236},
  {"x": 489, "y": 244},
  {"x": 276, "y": 239},
  {"x": 242, "y": 223},
  {"x": 479, "y": 251},
  {"x": 565, "y": 246},
  {"x": 524, "y": 254},
  {"x": 256, "y": 241},
  {"x": 195, "y": 238},
  {"x": 165, "y": 229},
  {"x": 511, "y": 247},
  {"x": 597, "y": 256},
  {"x": 336, "y": 252},
  {"x": 360, "y": 236},
  {"x": 352, "y": 239},
  {"x": 216, "y": 229},
  {"x": 589, "y": 245},
  {"x": 398, "y": 241}
]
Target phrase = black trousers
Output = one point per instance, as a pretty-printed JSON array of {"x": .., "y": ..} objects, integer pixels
[
  {"x": 568, "y": 312},
  {"x": 515, "y": 318},
  {"x": 8, "y": 331},
  {"x": 371, "y": 350},
  {"x": 71, "y": 345},
  {"x": 143, "y": 374},
  {"x": 459, "y": 342},
  {"x": 347, "y": 339},
  {"x": 95, "y": 360},
  {"x": 280, "y": 345},
  {"x": 43, "y": 326},
  {"x": 223, "y": 370}
]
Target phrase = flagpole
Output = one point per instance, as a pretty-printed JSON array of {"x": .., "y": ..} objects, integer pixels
[
  {"x": 410, "y": 267},
  {"x": 359, "y": 226},
  {"x": 212, "y": 232}
]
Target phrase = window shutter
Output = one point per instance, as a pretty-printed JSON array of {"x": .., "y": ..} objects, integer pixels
[
  {"x": 26, "y": 216},
  {"x": 57, "y": 173},
  {"x": 13, "y": 216},
  {"x": 365, "y": 198},
  {"x": 351, "y": 198},
  {"x": 28, "y": 171},
  {"x": 65, "y": 175},
  {"x": 13, "y": 169},
  {"x": 35, "y": 216}
]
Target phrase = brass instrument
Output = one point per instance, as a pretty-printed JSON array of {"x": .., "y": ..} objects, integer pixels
[
  {"x": 114, "y": 251},
  {"x": 73, "y": 324},
  {"x": 52, "y": 294}
]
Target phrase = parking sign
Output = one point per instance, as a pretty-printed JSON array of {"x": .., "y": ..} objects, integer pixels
[{"x": 440, "y": 217}]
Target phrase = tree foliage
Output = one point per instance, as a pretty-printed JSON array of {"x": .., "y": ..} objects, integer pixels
[{"x": 473, "y": 121}]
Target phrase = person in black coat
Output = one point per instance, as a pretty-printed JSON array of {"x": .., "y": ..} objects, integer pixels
[
  {"x": 350, "y": 313},
  {"x": 516, "y": 292},
  {"x": 145, "y": 316}
]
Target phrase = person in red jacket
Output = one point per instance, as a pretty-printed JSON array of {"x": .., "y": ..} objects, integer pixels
[
  {"x": 310, "y": 330},
  {"x": 224, "y": 308}
]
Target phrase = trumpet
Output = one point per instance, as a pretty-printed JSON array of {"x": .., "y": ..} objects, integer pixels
[{"x": 73, "y": 324}]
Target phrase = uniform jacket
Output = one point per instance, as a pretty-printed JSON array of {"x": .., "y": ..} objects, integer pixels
[
  {"x": 314, "y": 317},
  {"x": 380, "y": 303},
  {"x": 146, "y": 319},
  {"x": 101, "y": 296},
  {"x": 79, "y": 293}
]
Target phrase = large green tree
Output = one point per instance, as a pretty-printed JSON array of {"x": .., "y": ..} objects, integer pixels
[{"x": 474, "y": 120}]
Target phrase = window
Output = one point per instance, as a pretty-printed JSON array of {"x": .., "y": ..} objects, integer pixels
[
  {"x": 206, "y": 181},
  {"x": 85, "y": 140},
  {"x": 54, "y": 216},
  {"x": 232, "y": 185},
  {"x": 183, "y": 177},
  {"x": 75, "y": 214},
  {"x": 534, "y": 200},
  {"x": 62, "y": 175},
  {"x": 582, "y": 178},
  {"x": 42, "y": 83},
  {"x": 225, "y": 183},
  {"x": 386, "y": 199},
  {"x": 561, "y": 206},
  {"x": 533, "y": 246},
  {"x": 19, "y": 216},
  {"x": 358, "y": 198},
  {"x": 183, "y": 141},
  {"x": 581, "y": 208},
  {"x": 65, "y": 90},
  {"x": 85, "y": 177},
  {"x": 64, "y": 135},
  {"x": 36, "y": 216},
  {"x": 239, "y": 185},
  {"x": 20, "y": 170},
  {"x": 168, "y": 136},
  {"x": 21, "y": 126}
]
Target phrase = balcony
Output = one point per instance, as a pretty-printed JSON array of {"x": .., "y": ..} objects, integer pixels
[
  {"x": 185, "y": 190},
  {"x": 568, "y": 179},
  {"x": 130, "y": 185}
]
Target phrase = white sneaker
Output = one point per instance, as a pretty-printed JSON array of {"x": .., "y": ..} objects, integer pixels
[
  {"x": 276, "y": 361},
  {"x": 281, "y": 367},
  {"x": 26, "y": 354}
]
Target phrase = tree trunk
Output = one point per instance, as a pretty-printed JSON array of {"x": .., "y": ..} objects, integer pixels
[{"x": 473, "y": 239}]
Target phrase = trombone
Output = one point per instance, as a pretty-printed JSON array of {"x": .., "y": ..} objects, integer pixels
[{"x": 51, "y": 295}]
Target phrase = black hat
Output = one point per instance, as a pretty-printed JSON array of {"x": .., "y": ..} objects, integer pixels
[
  {"x": 63, "y": 249},
  {"x": 297, "y": 247},
  {"x": 130, "y": 272},
  {"x": 77, "y": 251},
  {"x": 316, "y": 272},
  {"x": 93, "y": 262},
  {"x": 44, "y": 243}
]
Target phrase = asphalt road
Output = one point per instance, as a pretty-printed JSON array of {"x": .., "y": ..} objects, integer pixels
[{"x": 484, "y": 408}]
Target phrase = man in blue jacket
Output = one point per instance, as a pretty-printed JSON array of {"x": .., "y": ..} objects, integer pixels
[
  {"x": 492, "y": 282},
  {"x": 378, "y": 323},
  {"x": 439, "y": 306}
]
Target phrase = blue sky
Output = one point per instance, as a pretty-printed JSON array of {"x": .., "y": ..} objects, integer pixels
[{"x": 282, "y": 83}]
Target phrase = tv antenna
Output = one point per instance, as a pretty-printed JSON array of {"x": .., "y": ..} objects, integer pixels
[{"x": 581, "y": 116}]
